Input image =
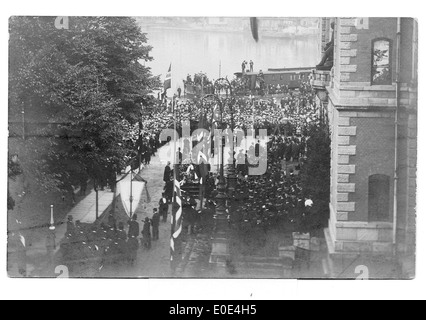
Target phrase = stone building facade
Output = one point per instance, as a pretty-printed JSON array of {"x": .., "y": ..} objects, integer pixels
[{"x": 371, "y": 98}]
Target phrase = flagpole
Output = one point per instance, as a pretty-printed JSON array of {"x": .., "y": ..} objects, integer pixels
[
  {"x": 172, "y": 251},
  {"x": 131, "y": 191}
]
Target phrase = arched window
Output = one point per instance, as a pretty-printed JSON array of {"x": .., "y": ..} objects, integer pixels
[
  {"x": 381, "y": 69},
  {"x": 379, "y": 198}
]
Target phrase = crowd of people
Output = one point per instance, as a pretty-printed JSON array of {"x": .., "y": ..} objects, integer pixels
[
  {"x": 261, "y": 202},
  {"x": 149, "y": 144},
  {"x": 195, "y": 219},
  {"x": 277, "y": 89},
  {"x": 200, "y": 83},
  {"x": 296, "y": 109},
  {"x": 275, "y": 200},
  {"x": 88, "y": 248},
  {"x": 272, "y": 198}
]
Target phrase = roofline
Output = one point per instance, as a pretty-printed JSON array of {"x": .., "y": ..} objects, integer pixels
[{"x": 278, "y": 71}]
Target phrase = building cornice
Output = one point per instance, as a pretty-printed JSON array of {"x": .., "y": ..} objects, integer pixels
[{"x": 360, "y": 103}]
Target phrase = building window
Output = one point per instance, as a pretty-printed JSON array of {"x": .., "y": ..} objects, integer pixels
[
  {"x": 379, "y": 198},
  {"x": 381, "y": 71}
]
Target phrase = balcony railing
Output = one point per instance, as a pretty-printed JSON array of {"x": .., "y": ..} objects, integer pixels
[{"x": 320, "y": 79}]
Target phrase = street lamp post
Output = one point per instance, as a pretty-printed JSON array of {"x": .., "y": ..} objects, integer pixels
[
  {"x": 220, "y": 254},
  {"x": 51, "y": 237},
  {"x": 232, "y": 177},
  {"x": 220, "y": 243},
  {"x": 230, "y": 102},
  {"x": 23, "y": 124},
  {"x": 52, "y": 220},
  {"x": 131, "y": 192}
]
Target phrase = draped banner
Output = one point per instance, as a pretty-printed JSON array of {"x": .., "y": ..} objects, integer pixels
[{"x": 136, "y": 190}]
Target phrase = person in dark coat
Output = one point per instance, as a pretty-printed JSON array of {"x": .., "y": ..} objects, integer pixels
[
  {"x": 112, "y": 233},
  {"x": 121, "y": 237},
  {"x": 70, "y": 226},
  {"x": 192, "y": 217},
  {"x": 103, "y": 237},
  {"x": 93, "y": 236},
  {"x": 156, "y": 225},
  {"x": 148, "y": 156},
  {"x": 164, "y": 207},
  {"x": 179, "y": 156},
  {"x": 80, "y": 235},
  {"x": 167, "y": 173},
  {"x": 134, "y": 227},
  {"x": 288, "y": 153},
  {"x": 303, "y": 147},
  {"x": 295, "y": 150},
  {"x": 146, "y": 234},
  {"x": 168, "y": 176},
  {"x": 132, "y": 250}
]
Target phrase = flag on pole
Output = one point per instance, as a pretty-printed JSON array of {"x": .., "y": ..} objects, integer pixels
[
  {"x": 168, "y": 81},
  {"x": 177, "y": 203},
  {"x": 176, "y": 219},
  {"x": 254, "y": 26}
]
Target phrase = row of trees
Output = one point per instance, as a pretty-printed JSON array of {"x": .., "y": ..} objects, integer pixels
[{"x": 90, "y": 79}]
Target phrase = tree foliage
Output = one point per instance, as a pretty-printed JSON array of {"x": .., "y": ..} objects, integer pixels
[
  {"x": 14, "y": 170},
  {"x": 88, "y": 78}
]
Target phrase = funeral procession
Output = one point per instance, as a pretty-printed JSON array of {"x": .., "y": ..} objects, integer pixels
[{"x": 204, "y": 147}]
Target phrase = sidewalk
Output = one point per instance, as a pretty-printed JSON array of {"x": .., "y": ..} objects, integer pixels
[{"x": 154, "y": 263}]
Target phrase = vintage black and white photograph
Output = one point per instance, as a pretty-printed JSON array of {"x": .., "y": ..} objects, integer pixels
[{"x": 212, "y": 147}]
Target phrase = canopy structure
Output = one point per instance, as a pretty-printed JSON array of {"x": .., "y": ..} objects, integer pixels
[{"x": 131, "y": 189}]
